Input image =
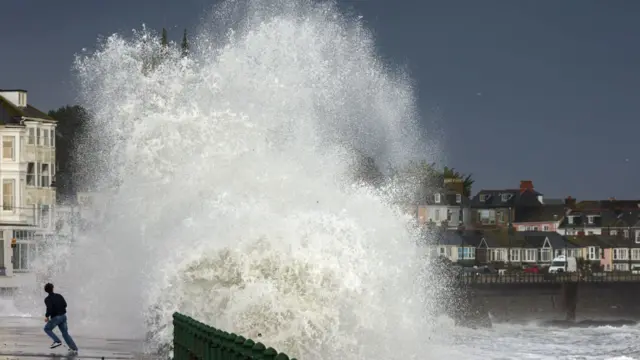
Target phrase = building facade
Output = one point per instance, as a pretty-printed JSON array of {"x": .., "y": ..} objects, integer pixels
[{"x": 27, "y": 173}]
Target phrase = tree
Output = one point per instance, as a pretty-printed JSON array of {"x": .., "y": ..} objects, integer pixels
[
  {"x": 164, "y": 40},
  {"x": 185, "y": 44},
  {"x": 71, "y": 124},
  {"x": 467, "y": 181},
  {"x": 367, "y": 171},
  {"x": 424, "y": 177}
]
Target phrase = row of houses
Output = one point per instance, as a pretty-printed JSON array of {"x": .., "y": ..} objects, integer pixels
[
  {"x": 526, "y": 209},
  {"x": 528, "y": 248}
]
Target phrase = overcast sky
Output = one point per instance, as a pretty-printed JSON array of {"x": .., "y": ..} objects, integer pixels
[{"x": 543, "y": 90}]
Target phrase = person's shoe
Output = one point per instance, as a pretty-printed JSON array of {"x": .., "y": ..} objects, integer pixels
[
  {"x": 55, "y": 345},
  {"x": 73, "y": 352}
]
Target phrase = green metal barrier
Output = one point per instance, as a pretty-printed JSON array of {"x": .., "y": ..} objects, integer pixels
[{"x": 194, "y": 340}]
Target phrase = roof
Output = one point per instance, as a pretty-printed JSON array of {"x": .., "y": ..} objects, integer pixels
[
  {"x": 540, "y": 213},
  {"x": 602, "y": 218},
  {"x": 452, "y": 237},
  {"x": 16, "y": 113},
  {"x": 612, "y": 204},
  {"x": 505, "y": 198},
  {"x": 603, "y": 241},
  {"x": 447, "y": 198},
  {"x": 525, "y": 239}
]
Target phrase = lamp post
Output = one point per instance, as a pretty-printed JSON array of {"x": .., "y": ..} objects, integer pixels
[
  {"x": 510, "y": 232},
  {"x": 566, "y": 254},
  {"x": 629, "y": 247}
]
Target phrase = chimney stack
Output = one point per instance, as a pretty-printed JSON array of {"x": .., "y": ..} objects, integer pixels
[
  {"x": 570, "y": 202},
  {"x": 455, "y": 186},
  {"x": 526, "y": 185}
]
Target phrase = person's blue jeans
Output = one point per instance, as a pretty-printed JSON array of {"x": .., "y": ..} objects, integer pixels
[{"x": 61, "y": 323}]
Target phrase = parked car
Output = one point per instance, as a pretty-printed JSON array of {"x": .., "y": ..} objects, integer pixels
[{"x": 532, "y": 270}]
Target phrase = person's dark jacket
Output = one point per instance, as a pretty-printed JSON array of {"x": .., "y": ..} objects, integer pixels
[{"x": 56, "y": 305}]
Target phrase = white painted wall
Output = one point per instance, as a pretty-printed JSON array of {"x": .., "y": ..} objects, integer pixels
[
  {"x": 438, "y": 214},
  {"x": 17, "y": 98}
]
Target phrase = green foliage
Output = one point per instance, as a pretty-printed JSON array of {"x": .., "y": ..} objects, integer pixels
[
  {"x": 195, "y": 340},
  {"x": 164, "y": 42},
  {"x": 71, "y": 125},
  {"x": 184, "y": 46},
  {"x": 426, "y": 177},
  {"x": 467, "y": 181}
]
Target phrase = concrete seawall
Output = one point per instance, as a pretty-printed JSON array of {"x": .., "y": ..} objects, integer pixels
[{"x": 523, "y": 302}]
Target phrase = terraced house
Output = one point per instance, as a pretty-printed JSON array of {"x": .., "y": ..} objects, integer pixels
[
  {"x": 498, "y": 208},
  {"x": 604, "y": 217},
  {"x": 27, "y": 172}
]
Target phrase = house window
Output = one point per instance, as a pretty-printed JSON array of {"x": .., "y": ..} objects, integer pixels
[
  {"x": 458, "y": 198},
  {"x": 483, "y": 197},
  {"x": 53, "y": 138},
  {"x": 590, "y": 219},
  {"x": 545, "y": 227},
  {"x": 545, "y": 255},
  {"x": 44, "y": 175},
  {"x": 621, "y": 267},
  {"x": 466, "y": 253},
  {"x": 570, "y": 220},
  {"x": 505, "y": 197},
  {"x": 23, "y": 256},
  {"x": 635, "y": 254},
  {"x": 31, "y": 174},
  {"x": 487, "y": 216},
  {"x": 32, "y": 137},
  {"x": 613, "y": 232},
  {"x": 38, "y": 136},
  {"x": 515, "y": 255},
  {"x": 442, "y": 251},
  {"x": 45, "y": 137},
  {"x": 637, "y": 237},
  {"x": 593, "y": 253},
  {"x": 530, "y": 255},
  {"x": 496, "y": 255},
  {"x": 620, "y": 254},
  {"x": 535, "y": 228},
  {"x": 7, "y": 148},
  {"x": 626, "y": 234},
  {"x": 436, "y": 198},
  {"x": 436, "y": 215},
  {"x": 500, "y": 216},
  {"x": 449, "y": 215},
  {"x": 8, "y": 194}
]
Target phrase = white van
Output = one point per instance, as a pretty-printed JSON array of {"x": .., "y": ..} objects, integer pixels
[{"x": 563, "y": 264}]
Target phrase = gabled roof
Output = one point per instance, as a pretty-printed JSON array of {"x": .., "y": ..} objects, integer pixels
[
  {"x": 603, "y": 241},
  {"x": 580, "y": 220},
  {"x": 16, "y": 113},
  {"x": 620, "y": 218},
  {"x": 505, "y": 198},
  {"x": 452, "y": 238},
  {"x": 524, "y": 239},
  {"x": 540, "y": 213},
  {"x": 552, "y": 238},
  {"x": 447, "y": 198},
  {"x": 612, "y": 204}
]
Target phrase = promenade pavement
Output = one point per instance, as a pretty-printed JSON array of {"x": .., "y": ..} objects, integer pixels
[{"x": 23, "y": 338}]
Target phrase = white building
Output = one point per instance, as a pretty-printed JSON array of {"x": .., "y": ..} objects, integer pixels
[{"x": 27, "y": 173}]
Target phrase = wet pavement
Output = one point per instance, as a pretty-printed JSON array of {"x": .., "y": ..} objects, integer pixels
[{"x": 23, "y": 338}]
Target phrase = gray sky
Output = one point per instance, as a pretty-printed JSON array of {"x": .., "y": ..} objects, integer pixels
[{"x": 544, "y": 90}]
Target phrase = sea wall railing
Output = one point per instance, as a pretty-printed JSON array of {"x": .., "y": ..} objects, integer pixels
[
  {"x": 193, "y": 340},
  {"x": 548, "y": 278}
]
